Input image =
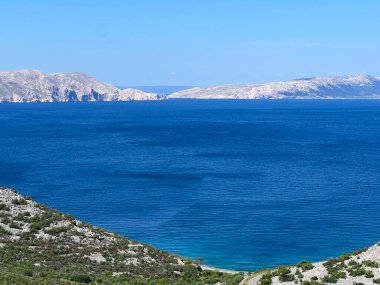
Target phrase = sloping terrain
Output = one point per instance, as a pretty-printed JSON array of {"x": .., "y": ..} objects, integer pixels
[
  {"x": 358, "y": 268},
  {"x": 39, "y": 245}
]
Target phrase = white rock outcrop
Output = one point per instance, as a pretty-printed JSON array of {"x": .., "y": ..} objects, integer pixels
[
  {"x": 35, "y": 86},
  {"x": 342, "y": 87}
]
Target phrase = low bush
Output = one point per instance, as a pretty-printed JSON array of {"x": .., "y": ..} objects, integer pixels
[
  {"x": 20, "y": 201},
  {"x": 57, "y": 230},
  {"x": 81, "y": 278},
  {"x": 266, "y": 279},
  {"x": 4, "y": 232},
  {"x": 356, "y": 271},
  {"x": 4, "y": 207},
  {"x": 370, "y": 263},
  {"x": 305, "y": 265}
]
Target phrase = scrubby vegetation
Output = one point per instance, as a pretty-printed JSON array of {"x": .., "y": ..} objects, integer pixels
[
  {"x": 305, "y": 265},
  {"x": 39, "y": 245},
  {"x": 345, "y": 269}
]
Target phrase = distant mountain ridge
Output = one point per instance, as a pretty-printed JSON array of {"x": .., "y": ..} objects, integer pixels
[
  {"x": 341, "y": 87},
  {"x": 26, "y": 86},
  {"x": 35, "y": 86}
]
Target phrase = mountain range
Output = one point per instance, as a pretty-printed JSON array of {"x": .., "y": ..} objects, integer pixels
[{"x": 34, "y": 86}]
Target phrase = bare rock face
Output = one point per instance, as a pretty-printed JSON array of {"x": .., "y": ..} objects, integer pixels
[
  {"x": 343, "y": 87},
  {"x": 35, "y": 86}
]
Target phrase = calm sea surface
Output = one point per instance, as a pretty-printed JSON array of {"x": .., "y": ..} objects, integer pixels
[{"x": 244, "y": 184}]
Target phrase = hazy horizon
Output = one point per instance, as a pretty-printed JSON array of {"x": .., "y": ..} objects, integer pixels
[{"x": 197, "y": 43}]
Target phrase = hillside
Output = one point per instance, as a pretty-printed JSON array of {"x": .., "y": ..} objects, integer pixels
[
  {"x": 35, "y": 86},
  {"x": 343, "y": 87},
  {"x": 39, "y": 245},
  {"x": 358, "y": 268}
]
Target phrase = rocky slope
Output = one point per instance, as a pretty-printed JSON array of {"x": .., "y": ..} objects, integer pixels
[
  {"x": 35, "y": 86},
  {"x": 344, "y": 87},
  {"x": 358, "y": 268},
  {"x": 39, "y": 245}
]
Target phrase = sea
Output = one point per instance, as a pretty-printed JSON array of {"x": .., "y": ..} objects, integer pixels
[{"x": 244, "y": 184}]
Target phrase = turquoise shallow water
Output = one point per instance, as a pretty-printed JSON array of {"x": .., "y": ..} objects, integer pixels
[{"x": 244, "y": 184}]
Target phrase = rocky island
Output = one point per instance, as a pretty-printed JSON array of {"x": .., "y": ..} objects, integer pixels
[
  {"x": 27, "y": 86},
  {"x": 323, "y": 87}
]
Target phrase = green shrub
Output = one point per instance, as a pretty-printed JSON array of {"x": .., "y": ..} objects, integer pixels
[
  {"x": 330, "y": 262},
  {"x": 28, "y": 272},
  {"x": 305, "y": 265},
  {"x": 352, "y": 263},
  {"x": 69, "y": 217},
  {"x": 15, "y": 225},
  {"x": 81, "y": 278},
  {"x": 312, "y": 282},
  {"x": 299, "y": 274},
  {"x": 370, "y": 263},
  {"x": 35, "y": 228},
  {"x": 334, "y": 276},
  {"x": 344, "y": 257},
  {"x": 376, "y": 281},
  {"x": 22, "y": 217},
  {"x": 4, "y": 207},
  {"x": 5, "y": 220},
  {"x": 20, "y": 201},
  {"x": 57, "y": 230},
  {"x": 4, "y": 232},
  {"x": 266, "y": 279},
  {"x": 356, "y": 271},
  {"x": 284, "y": 274},
  {"x": 369, "y": 274}
]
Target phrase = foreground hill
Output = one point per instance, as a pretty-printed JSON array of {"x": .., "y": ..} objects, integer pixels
[
  {"x": 35, "y": 86},
  {"x": 359, "y": 268},
  {"x": 343, "y": 87},
  {"x": 39, "y": 245}
]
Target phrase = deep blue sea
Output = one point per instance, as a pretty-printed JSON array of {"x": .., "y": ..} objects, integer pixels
[{"x": 244, "y": 184}]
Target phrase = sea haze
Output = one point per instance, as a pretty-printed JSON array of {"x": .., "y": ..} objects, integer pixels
[{"x": 244, "y": 184}]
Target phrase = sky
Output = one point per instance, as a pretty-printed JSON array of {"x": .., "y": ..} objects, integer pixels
[{"x": 191, "y": 42}]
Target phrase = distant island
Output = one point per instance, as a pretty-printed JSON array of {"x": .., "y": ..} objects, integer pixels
[
  {"x": 27, "y": 86},
  {"x": 339, "y": 87},
  {"x": 39, "y": 245}
]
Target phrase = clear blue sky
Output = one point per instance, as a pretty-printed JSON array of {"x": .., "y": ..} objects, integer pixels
[{"x": 191, "y": 42}]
